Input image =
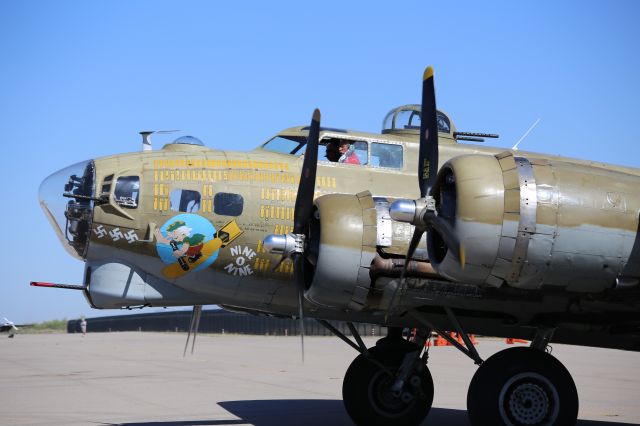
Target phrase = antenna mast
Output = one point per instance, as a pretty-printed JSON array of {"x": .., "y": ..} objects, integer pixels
[{"x": 515, "y": 147}]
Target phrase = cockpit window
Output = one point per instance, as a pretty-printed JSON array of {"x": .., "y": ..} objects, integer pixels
[
  {"x": 346, "y": 151},
  {"x": 285, "y": 144},
  {"x": 185, "y": 200},
  {"x": 360, "y": 148},
  {"x": 127, "y": 191},
  {"x": 228, "y": 204},
  {"x": 386, "y": 155}
]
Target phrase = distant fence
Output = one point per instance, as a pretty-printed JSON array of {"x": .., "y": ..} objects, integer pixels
[{"x": 217, "y": 321}]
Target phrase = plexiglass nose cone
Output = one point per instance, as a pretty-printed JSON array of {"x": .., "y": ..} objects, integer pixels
[{"x": 65, "y": 199}]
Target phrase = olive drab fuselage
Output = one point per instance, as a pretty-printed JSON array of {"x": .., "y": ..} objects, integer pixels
[{"x": 183, "y": 225}]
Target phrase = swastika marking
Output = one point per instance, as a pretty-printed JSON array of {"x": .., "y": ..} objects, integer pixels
[
  {"x": 131, "y": 236},
  {"x": 100, "y": 231},
  {"x": 115, "y": 234}
]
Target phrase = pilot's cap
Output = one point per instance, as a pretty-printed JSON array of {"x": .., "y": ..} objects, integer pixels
[{"x": 175, "y": 225}]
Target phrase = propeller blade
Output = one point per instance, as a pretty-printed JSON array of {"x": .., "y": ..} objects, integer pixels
[
  {"x": 298, "y": 261},
  {"x": 413, "y": 245},
  {"x": 307, "y": 186},
  {"x": 198, "y": 314},
  {"x": 415, "y": 240},
  {"x": 302, "y": 211},
  {"x": 193, "y": 328},
  {"x": 428, "y": 157},
  {"x": 442, "y": 227},
  {"x": 427, "y": 162},
  {"x": 280, "y": 262},
  {"x": 186, "y": 345}
]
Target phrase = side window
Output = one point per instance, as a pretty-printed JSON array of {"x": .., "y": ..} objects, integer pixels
[
  {"x": 322, "y": 152},
  {"x": 362, "y": 151},
  {"x": 106, "y": 184},
  {"x": 345, "y": 151},
  {"x": 227, "y": 204},
  {"x": 127, "y": 191},
  {"x": 185, "y": 200},
  {"x": 386, "y": 155}
]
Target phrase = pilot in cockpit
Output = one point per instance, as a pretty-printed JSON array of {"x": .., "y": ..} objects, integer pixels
[{"x": 347, "y": 153}]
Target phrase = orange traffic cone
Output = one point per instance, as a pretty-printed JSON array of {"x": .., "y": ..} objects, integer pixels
[{"x": 440, "y": 341}]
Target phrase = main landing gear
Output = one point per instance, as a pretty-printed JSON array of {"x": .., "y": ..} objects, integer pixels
[
  {"x": 390, "y": 383},
  {"x": 523, "y": 386}
]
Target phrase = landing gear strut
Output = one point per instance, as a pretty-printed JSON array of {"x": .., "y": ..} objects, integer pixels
[
  {"x": 517, "y": 386},
  {"x": 388, "y": 384}
]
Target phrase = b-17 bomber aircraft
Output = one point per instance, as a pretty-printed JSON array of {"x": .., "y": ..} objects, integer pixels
[{"x": 336, "y": 224}]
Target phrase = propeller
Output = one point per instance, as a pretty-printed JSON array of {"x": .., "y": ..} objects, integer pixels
[
  {"x": 193, "y": 328},
  {"x": 428, "y": 154},
  {"x": 422, "y": 213},
  {"x": 292, "y": 246}
]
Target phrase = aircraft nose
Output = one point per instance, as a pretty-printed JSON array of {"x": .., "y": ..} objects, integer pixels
[{"x": 67, "y": 198}]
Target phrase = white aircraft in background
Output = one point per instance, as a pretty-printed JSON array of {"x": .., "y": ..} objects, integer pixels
[{"x": 8, "y": 326}]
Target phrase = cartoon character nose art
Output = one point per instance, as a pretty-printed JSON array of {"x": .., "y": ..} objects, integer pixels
[{"x": 189, "y": 242}]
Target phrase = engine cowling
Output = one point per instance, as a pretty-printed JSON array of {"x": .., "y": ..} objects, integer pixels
[
  {"x": 529, "y": 222},
  {"x": 342, "y": 235}
]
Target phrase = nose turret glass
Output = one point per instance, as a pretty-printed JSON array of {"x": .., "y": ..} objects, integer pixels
[{"x": 67, "y": 198}]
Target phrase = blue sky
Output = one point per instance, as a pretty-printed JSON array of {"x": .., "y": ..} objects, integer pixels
[{"x": 79, "y": 79}]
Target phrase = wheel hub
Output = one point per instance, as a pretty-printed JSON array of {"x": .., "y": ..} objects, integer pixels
[
  {"x": 528, "y": 403},
  {"x": 529, "y": 399},
  {"x": 385, "y": 400}
]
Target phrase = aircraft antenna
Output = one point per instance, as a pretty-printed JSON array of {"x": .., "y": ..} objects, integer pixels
[{"x": 515, "y": 147}]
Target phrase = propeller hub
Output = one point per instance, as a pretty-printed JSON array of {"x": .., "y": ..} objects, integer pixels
[
  {"x": 412, "y": 211},
  {"x": 403, "y": 210},
  {"x": 285, "y": 245}
]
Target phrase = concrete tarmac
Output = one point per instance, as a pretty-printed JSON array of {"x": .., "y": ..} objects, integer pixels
[{"x": 142, "y": 379}]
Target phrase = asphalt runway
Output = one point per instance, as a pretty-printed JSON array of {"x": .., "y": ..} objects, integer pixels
[{"x": 142, "y": 379}]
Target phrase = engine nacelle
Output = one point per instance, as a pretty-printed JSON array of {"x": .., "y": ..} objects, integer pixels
[
  {"x": 112, "y": 285},
  {"x": 343, "y": 235},
  {"x": 529, "y": 222}
]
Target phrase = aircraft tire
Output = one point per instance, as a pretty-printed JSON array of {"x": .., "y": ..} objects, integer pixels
[
  {"x": 522, "y": 386},
  {"x": 366, "y": 395}
]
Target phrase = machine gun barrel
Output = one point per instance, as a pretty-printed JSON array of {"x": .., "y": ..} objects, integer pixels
[
  {"x": 466, "y": 138},
  {"x": 479, "y": 135}
]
